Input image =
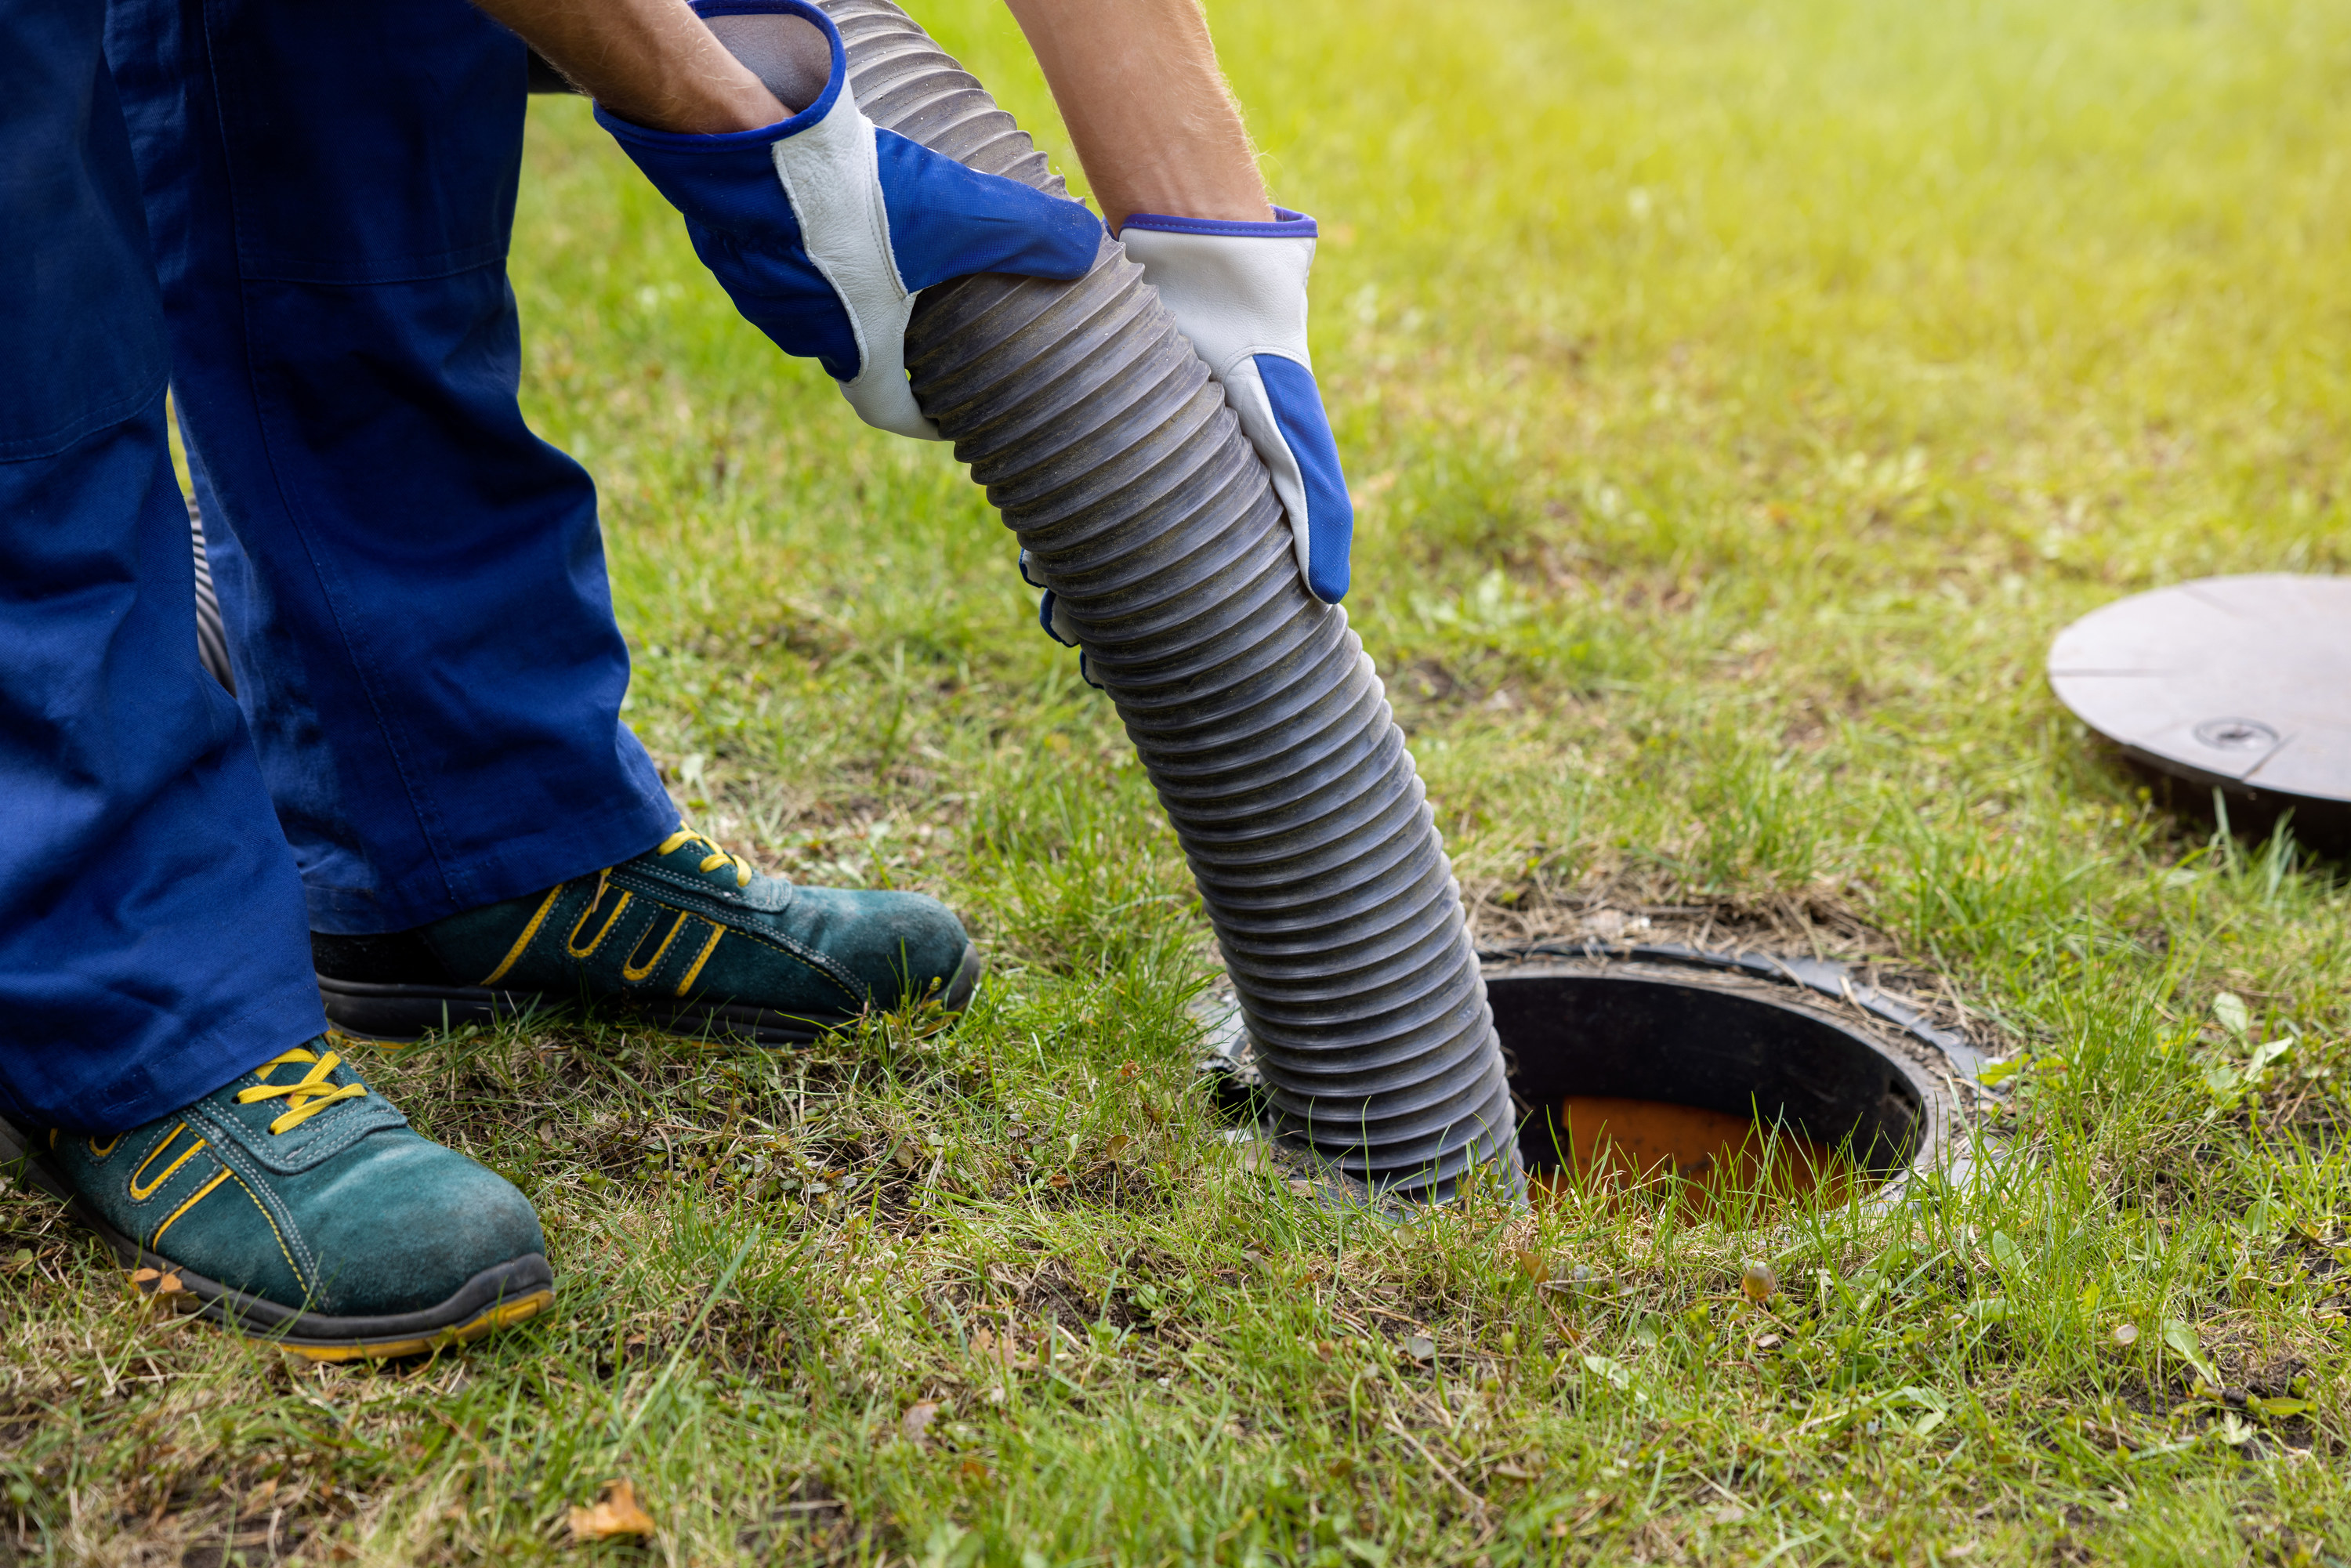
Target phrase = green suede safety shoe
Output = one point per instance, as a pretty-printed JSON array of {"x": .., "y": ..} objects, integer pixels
[
  {"x": 296, "y": 1205},
  {"x": 684, "y": 936}
]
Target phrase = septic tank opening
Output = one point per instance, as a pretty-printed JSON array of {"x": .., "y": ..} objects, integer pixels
[
  {"x": 1633, "y": 1076},
  {"x": 1718, "y": 1074},
  {"x": 1707, "y": 1163}
]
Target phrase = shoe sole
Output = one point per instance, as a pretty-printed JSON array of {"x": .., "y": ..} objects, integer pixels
[
  {"x": 403, "y": 1014},
  {"x": 496, "y": 1298}
]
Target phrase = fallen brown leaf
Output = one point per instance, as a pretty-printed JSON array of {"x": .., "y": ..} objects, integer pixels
[
  {"x": 1001, "y": 1350},
  {"x": 615, "y": 1511},
  {"x": 918, "y": 1419},
  {"x": 163, "y": 1289}
]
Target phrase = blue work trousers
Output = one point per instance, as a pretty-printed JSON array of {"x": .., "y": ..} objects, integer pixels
[
  {"x": 413, "y": 584},
  {"x": 152, "y": 936}
]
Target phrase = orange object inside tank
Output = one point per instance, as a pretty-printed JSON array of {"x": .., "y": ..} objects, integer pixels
[{"x": 1621, "y": 1145}]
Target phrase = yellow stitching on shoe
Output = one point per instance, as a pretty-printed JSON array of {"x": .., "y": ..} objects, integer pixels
[
  {"x": 142, "y": 1194},
  {"x": 630, "y": 973},
  {"x": 305, "y": 1098},
  {"x": 571, "y": 943},
  {"x": 718, "y": 934},
  {"x": 280, "y": 1235},
  {"x": 203, "y": 1192},
  {"x": 112, "y": 1144},
  {"x": 819, "y": 970},
  {"x": 528, "y": 932},
  {"x": 711, "y": 862}
]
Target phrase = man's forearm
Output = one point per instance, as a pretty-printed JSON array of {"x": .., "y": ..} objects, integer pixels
[
  {"x": 1137, "y": 81},
  {"x": 1154, "y": 125},
  {"x": 649, "y": 61}
]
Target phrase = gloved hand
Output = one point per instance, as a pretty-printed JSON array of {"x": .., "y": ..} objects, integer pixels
[
  {"x": 1056, "y": 622},
  {"x": 823, "y": 227},
  {"x": 1238, "y": 291}
]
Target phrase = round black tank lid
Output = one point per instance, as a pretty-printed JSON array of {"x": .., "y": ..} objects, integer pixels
[{"x": 2239, "y": 682}]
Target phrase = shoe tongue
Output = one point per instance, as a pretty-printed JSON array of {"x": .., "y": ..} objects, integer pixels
[
  {"x": 687, "y": 858},
  {"x": 293, "y": 1070},
  {"x": 257, "y": 1114},
  {"x": 763, "y": 892}
]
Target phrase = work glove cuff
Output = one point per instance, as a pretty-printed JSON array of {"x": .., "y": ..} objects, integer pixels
[{"x": 823, "y": 228}]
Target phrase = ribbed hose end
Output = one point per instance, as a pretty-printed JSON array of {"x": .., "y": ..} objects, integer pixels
[
  {"x": 211, "y": 638},
  {"x": 1265, "y": 729}
]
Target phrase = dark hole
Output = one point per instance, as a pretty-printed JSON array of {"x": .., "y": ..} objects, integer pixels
[{"x": 1583, "y": 1044}]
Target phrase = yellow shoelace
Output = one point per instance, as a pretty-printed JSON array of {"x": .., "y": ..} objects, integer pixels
[
  {"x": 306, "y": 1097},
  {"x": 711, "y": 862}
]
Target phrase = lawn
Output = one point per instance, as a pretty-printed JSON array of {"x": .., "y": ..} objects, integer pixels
[{"x": 1738, "y": 399}]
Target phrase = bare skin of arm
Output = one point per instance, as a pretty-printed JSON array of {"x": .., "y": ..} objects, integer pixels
[
  {"x": 1155, "y": 124},
  {"x": 1136, "y": 81},
  {"x": 651, "y": 62}
]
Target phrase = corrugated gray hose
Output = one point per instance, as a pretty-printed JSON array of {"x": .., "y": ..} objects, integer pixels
[
  {"x": 212, "y": 641},
  {"x": 1256, "y": 712}
]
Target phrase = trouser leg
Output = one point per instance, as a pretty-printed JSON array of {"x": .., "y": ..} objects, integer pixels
[
  {"x": 152, "y": 939},
  {"x": 414, "y": 583}
]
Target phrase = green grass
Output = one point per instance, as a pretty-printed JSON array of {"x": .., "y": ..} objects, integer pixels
[{"x": 1739, "y": 398}]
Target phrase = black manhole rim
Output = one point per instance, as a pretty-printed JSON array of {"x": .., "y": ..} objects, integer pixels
[
  {"x": 1715, "y": 1039},
  {"x": 1889, "y": 1046}
]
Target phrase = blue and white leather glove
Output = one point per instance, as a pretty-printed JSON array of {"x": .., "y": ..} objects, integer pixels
[
  {"x": 1056, "y": 622},
  {"x": 1238, "y": 291},
  {"x": 823, "y": 227}
]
